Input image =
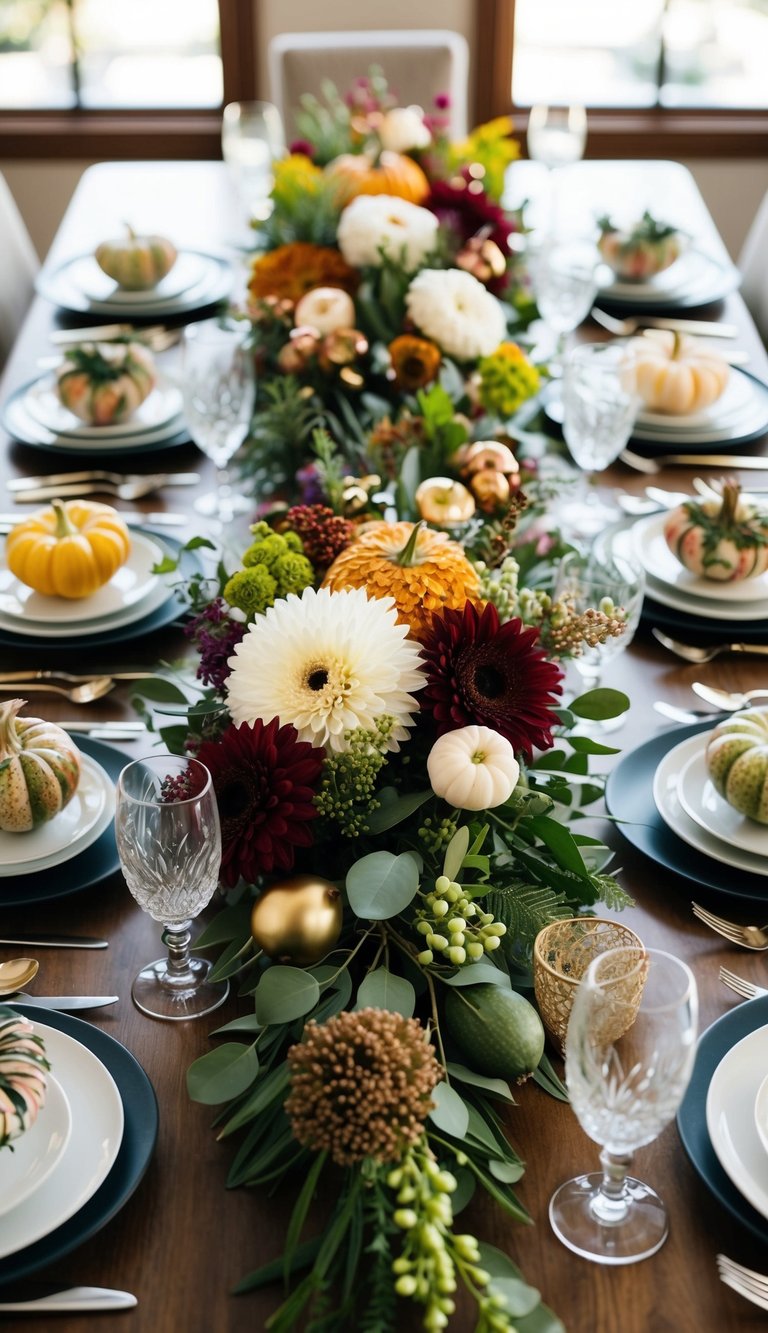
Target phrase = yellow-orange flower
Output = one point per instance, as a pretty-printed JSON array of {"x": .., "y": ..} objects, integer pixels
[
  {"x": 434, "y": 573},
  {"x": 415, "y": 362},
  {"x": 293, "y": 269}
]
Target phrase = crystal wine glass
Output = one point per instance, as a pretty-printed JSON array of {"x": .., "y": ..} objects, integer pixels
[
  {"x": 219, "y": 393},
  {"x": 600, "y": 403},
  {"x": 251, "y": 138},
  {"x": 169, "y": 843},
  {"x": 564, "y": 277},
  {"x": 630, "y": 1049},
  {"x": 557, "y": 135}
]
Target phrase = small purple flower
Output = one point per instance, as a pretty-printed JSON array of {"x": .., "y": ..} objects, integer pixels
[
  {"x": 215, "y": 636},
  {"x": 310, "y": 486},
  {"x": 443, "y": 101},
  {"x": 302, "y": 146}
]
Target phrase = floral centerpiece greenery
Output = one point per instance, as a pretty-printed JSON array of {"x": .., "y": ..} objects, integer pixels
[
  {"x": 401, "y": 795},
  {"x": 388, "y": 264}
]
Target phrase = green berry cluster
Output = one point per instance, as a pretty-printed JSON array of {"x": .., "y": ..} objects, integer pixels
[
  {"x": 455, "y": 927},
  {"x": 500, "y": 586},
  {"x": 437, "y": 834},
  {"x": 274, "y": 565},
  {"x": 347, "y": 793},
  {"x": 433, "y": 1258}
]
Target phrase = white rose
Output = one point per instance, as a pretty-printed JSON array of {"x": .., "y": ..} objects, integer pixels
[
  {"x": 326, "y": 309},
  {"x": 473, "y": 768},
  {"x": 373, "y": 223},
  {"x": 403, "y": 128},
  {"x": 455, "y": 311}
]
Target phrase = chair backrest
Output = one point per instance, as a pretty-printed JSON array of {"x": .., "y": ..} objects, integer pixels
[
  {"x": 19, "y": 269},
  {"x": 753, "y": 262},
  {"x": 418, "y": 65}
]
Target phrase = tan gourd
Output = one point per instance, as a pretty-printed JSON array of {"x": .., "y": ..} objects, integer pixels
[
  {"x": 39, "y": 769},
  {"x": 136, "y": 263},
  {"x": 675, "y": 374}
]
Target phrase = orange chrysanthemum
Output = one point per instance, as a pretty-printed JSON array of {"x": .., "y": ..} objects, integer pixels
[
  {"x": 415, "y": 362},
  {"x": 423, "y": 570},
  {"x": 293, "y": 269}
]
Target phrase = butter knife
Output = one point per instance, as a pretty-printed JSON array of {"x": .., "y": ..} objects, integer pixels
[
  {"x": 62, "y": 1002},
  {"x": 52, "y": 1297},
  {"x": 58, "y": 941}
]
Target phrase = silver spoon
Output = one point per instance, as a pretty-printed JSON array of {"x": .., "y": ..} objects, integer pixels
[
  {"x": 16, "y": 973},
  {"x": 729, "y": 701}
]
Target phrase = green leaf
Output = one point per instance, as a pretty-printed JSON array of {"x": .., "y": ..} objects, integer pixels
[
  {"x": 299, "y": 1214},
  {"x": 233, "y": 960},
  {"x": 548, "y": 1079},
  {"x": 270, "y": 1088},
  {"x": 450, "y": 1112},
  {"x": 394, "y": 808},
  {"x": 597, "y": 705},
  {"x": 383, "y": 990},
  {"x": 160, "y": 690},
  {"x": 509, "y": 1172},
  {"x": 248, "y": 1023},
  {"x": 174, "y": 738},
  {"x": 455, "y": 852},
  {"x": 477, "y": 973},
  {"x": 230, "y": 924},
  {"x": 195, "y": 542},
  {"x": 285, "y": 993},
  {"x": 560, "y": 842},
  {"x": 381, "y": 884},
  {"x": 304, "y": 1257},
  {"x": 495, "y": 1086},
  {"x": 168, "y": 565},
  {"x": 220, "y": 1075},
  {"x": 586, "y": 745}
]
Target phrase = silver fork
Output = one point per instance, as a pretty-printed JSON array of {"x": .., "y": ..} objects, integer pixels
[
  {"x": 99, "y": 474},
  {"x": 700, "y": 655},
  {"x": 749, "y": 1284},
  {"x": 79, "y": 694},
  {"x": 19, "y": 677},
  {"x": 746, "y": 989},
  {"x": 748, "y": 937},
  {"x": 124, "y": 490},
  {"x": 626, "y": 327}
]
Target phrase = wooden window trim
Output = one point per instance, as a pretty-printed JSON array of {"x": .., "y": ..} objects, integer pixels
[
  {"x": 137, "y": 133},
  {"x": 613, "y": 133}
]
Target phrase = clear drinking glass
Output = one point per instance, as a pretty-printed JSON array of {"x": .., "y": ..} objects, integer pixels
[
  {"x": 564, "y": 276},
  {"x": 629, "y": 1053},
  {"x": 252, "y": 137},
  {"x": 599, "y": 406},
  {"x": 557, "y": 135},
  {"x": 219, "y": 393},
  {"x": 169, "y": 843}
]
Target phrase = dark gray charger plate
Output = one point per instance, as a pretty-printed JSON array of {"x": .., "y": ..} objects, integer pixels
[
  {"x": 701, "y": 630},
  {"x": 139, "y": 1137}
]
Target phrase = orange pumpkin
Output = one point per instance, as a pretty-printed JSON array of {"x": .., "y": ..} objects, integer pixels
[{"x": 394, "y": 174}]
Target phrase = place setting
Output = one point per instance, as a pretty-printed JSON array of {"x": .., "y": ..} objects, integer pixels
[{"x": 657, "y": 265}]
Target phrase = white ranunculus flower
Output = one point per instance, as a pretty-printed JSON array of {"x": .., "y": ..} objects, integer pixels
[
  {"x": 326, "y": 309},
  {"x": 455, "y": 311},
  {"x": 403, "y": 128},
  {"x": 473, "y": 768},
  {"x": 376, "y": 222}
]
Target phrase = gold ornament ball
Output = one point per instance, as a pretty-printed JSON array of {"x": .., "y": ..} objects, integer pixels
[{"x": 297, "y": 920}]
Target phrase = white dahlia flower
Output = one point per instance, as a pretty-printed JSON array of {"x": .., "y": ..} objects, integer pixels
[
  {"x": 326, "y": 309},
  {"x": 376, "y": 222},
  {"x": 455, "y": 311},
  {"x": 327, "y": 662},
  {"x": 403, "y": 128}
]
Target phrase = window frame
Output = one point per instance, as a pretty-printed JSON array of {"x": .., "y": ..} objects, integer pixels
[
  {"x": 614, "y": 132},
  {"x": 136, "y": 133}
]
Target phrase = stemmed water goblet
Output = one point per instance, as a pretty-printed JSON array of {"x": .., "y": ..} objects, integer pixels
[
  {"x": 556, "y": 137},
  {"x": 252, "y": 138},
  {"x": 564, "y": 277},
  {"x": 169, "y": 844},
  {"x": 219, "y": 394},
  {"x": 630, "y": 1048},
  {"x": 599, "y": 406}
]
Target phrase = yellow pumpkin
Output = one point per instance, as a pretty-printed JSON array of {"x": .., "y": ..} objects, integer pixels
[
  {"x": 675, "y": 374},
  {"x": 136, "y": 263},
  {"x": 68, "y": 550},
  {"x": 393, "y": 174},
  {"x": 102, "y": 383}
]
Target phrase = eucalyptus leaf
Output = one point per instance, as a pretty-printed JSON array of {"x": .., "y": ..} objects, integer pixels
[
  {"x": 495, "y": 1086},
  {"x": 455, "y": 852},
  {"x": 509, "y": 1172},
  {"x": 160, "y": 690},
  {"x": 476, "y": 973},
  {"x": 230, "y": 924},
  {"x": 285, "y": 993},
  {"x": 450, "y": 1112},
  {"x": 382, "y": 989},
  {"x": 465, "y": 1188},
  {"x": 597, "y": 705},
  {"x": 380, "y": 885},
  {"x": 222, "y": 1074},
  {"x": 394, "y": 808},
  {"x": 247, "y": 1023}
]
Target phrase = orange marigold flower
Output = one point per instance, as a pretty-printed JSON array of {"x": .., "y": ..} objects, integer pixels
[
  {"x": 415, "y": 362},
  {"x": 293, "y": 269}
]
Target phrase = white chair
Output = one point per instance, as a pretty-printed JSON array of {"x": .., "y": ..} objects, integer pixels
[
  {"x": 753, "y": 262},
  {"x": 418, "y": 65},
  {"x": 19, "y": 270}
]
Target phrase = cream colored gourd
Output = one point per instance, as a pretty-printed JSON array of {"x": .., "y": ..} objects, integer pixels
[
  {"x": 39, "y": 769},
  {"x": 737, "y": 762},
  {"x": 473, "y": 768},
  {"x": 136, "y": 263},
  {"x": 103, "y": 383},
  {"x": 675, "y": 374},
  {"x": 69, "y": 550},
  {"x": 723, "y": 539}
]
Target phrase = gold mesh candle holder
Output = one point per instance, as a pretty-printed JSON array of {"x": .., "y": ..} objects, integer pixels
[{"x": 562, "y": 953}]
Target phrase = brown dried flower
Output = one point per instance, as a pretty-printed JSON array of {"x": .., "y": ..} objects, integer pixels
[{"x": 361, "y": 1085}]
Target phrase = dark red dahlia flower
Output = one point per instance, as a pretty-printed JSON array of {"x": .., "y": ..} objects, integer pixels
[
  {"x": 466, "y": 212},
  {"x": 482, "y": 672},
  {"x": 264, "y": 778}
]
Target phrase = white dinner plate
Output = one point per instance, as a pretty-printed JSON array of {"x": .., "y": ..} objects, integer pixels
[
  {"x": 97, "y": 1132},
  {"x": 75, "y": 828},
  {"x": 130, "y": 585},
  {"x": 63, "y": 286},
  {"x": 750, "y": 419},
  {"x": 22, "y": 426},
  {"x": 761, "y": 1113},
  {"x": 658, "y": 561},
  {"x": 701, "y": 802},
  {"x": 38, "y": 1151},
  {"x": 731, "y": 1117},
  {"x": 187, "y": 271},
  {"x": 161, "y": 406},
  {"x": 736, "y": 398},
  {"x": 694, "y": 279},
  {"x": 709, "y": 607},
  {"x": 667, "y": 802}
]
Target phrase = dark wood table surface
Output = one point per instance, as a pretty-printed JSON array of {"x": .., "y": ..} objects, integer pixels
[{"x": 183, "y": 1241}]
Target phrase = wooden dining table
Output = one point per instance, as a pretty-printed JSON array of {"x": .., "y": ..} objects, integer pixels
[{"x": 182, "y": 1241}]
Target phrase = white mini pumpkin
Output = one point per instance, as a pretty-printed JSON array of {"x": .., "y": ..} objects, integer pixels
[
  {"x": 676, "y": 374},
  {"x": 473, "y": 768}
]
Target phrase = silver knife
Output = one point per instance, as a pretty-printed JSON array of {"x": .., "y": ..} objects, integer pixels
[
  {"x": 58, "y": 941},
  {"x": 67, "y": 478},
  {"x": 63, "y": 1002},
  {"x": 54, "y": 1298},
  {"x": 700, "y": 326},
  {"x": 161, "y": 519},
  {"x": 732, "y": 461}
]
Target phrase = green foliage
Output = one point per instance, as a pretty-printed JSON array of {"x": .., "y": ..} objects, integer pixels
[{"x": 281, "y": 431}]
